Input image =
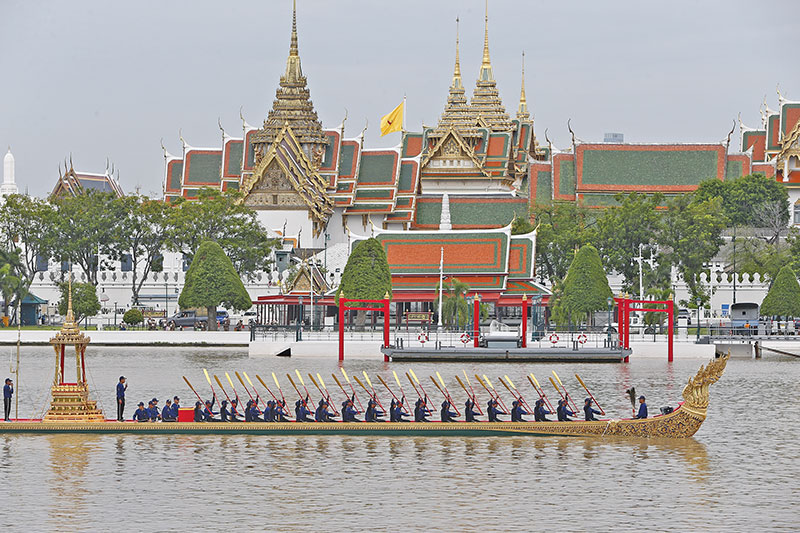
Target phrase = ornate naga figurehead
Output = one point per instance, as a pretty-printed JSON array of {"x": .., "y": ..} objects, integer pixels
[{"x": 695, "y": 394}]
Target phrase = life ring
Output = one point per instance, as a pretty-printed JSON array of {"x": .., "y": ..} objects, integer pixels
[
  {"x": 465, "y": 337},
  {"x": 422, "y": 337},
  {"x": 582, "y": 338},
  {"x": 553, "y": 338}
]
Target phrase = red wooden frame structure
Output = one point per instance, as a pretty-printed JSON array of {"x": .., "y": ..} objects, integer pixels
[
  {"x": 624, "y": 306},
  {"x": 343, "y": 306}
]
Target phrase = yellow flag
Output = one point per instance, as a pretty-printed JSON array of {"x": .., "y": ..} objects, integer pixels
[{"x": 393, "y": 121}]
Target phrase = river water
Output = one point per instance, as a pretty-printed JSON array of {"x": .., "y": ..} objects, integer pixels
[{"x": 740, "y": 472}]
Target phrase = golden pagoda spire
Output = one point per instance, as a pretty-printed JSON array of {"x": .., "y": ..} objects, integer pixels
[
  {"x": 293, "y": 71},
  {"x": 457, "y": 70},
  {"x": 522, "y": 110},
  {"x": 486, "y": 63},
  {"x": 69, "y": 325},
  {"x": 486, "y": 102}
]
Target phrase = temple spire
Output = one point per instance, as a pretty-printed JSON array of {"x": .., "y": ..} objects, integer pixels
[
  {"x": 522, "y": 110},
  {"x": 293, "y": 70},
  {"x": 457, "y": 112},
  {"x": 486, "y": 63},
  {"x": 457, "y": 70}
]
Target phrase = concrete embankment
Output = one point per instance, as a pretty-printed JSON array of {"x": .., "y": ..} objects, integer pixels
[{"x": 41, "y": 337}]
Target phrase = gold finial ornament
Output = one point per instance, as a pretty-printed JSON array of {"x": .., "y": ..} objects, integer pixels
[
  {"x": 486, "y": 102},
  {"x": 522, "y": 110}
]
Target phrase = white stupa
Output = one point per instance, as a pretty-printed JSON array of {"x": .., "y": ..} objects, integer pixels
[{"x": 9, "y": 185}]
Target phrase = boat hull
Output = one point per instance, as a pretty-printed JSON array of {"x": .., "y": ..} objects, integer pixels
[{"x": 681, "y": 423}]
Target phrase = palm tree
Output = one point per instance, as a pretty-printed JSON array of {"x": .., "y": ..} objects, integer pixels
[{"x": 455, "y": 309}]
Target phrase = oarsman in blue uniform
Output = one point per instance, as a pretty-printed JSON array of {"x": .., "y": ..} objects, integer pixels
[
  {"x": 198, "y": 412},
  {"x": 397, "y": 413},
  {"x": 224, "y": 414},
  {"x": 269, "y": 412},
  {"x": 469, "y": 411},
  {"x": 141, "y": 414},
  {"x": 642, "y": 408},
  {"x": 121, "y": 388},
  {"x": 421, "y": 411},
  {"x": 492, "y": 410},
  {"x": 563, "y": 411},
  {"x": 392, "y": 407},
  {"x": 281, "y": 412},
  {"x": 373, "y": 414},
  {"x": 152, "y": 409},
  {"x": 248, "y": 411},
  {"x": 517, "y": 412},
  {"x": 253, "y": 412},
  {"x": 8, "y": 393},
  {"x": 300, "y": 411},
  {"x": 208, "y": 412},
  {"x": 539, "y": 412},
  {"x": 167, "y": 413},
  {"x": 588, "y": 411},
  {"x": 349, "y": 411},
  {"x": 446, "y": 415}
]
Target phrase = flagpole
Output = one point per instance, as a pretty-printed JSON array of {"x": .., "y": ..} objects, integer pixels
[{"x": 403, "y": 126}]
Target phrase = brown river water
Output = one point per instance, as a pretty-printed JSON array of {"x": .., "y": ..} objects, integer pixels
[{"x": 740, "y": 472}]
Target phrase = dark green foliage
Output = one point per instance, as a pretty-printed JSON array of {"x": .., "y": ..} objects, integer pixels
[
  {"x": 521, "y": 226},
  {"x": 585, "y": 289},
  {"x": 84, "y": 300},
  {"x": 366, "y": 275},
  {"x": 223, "y": 218},
  {"x": 622, "y": 229},
  {"x": 783, "y": 298},
  {"x": 133, "y": 317},
  {"x": 563, "y": 227},
  {"x": 27, "y": 227},
  {"x": 691, "y": 234},
  {"x": 751, "y": 200},
  {"x": 212, "y": 281}
]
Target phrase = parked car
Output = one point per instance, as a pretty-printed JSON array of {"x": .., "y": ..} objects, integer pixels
[{"x": 184, "y": 319}]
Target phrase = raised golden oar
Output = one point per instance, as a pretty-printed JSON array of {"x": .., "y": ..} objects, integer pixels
[
  {"x": 302, "y": 382},
  {"x": 302, "y": 400},
  {"x": 222, "y": 388},
  {"x": 535, "y": 384},
  {"x": 391, "y": 392},
  {"x": 485, "y": 377},
  {"x": 236, "y": 394},
  {"x": 422, "y": 396},
  {"x": 568, "y": 397},
  {"x": 590, "y": 394},
  {"x": 424, "y": 392},
  {"x": 362, "y": 385},
  {"x": 209, "y": 382},
  {"x": 258, "y": 396},
  {"x": 447, "y": 393},
  {"x": 254, "y": 400},
  {"x": 352, "y": 389},
  {"x": 194, "y": 391},
  {"x": 519, "y": 394},
  {"x": 471, "y": 390},
  {"x": 374, "y": 394},
  {"x": 265, "y": 386},
  {"x": 275, "y": 378}
]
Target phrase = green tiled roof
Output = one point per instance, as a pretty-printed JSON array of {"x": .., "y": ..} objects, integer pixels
[
  {"x": 429, "y": 213},
  {"x": 204, "y": 167},
  {"x": 648, "y": 167},
  {"x": 406, "y": 177},
  {"x": 608, "y": 200},
  {"x": 377, "y": 168},
  {"x": 375, "y": 194},
  {"x": 566, "y": 177},
  {"x": 346, "y": 158},
  {"x": 544, "y": 186},
  {"x": 734, "y": 169},
  {"x": 175, "y": 175},
  {"x": 331, "y": 137},
  {"x": 773, "y": 123},
  {"x": 485, "y": 212},
  {"x": 234, "y": 167}
]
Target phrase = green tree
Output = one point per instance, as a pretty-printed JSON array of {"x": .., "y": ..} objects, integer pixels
[
  {"x": 755, "y": 255},
  {"x": 783, "y": 298},
  {"x": 691, "y": 234},
  {"x": 563, "y": 228},
  {"x": 27, "y": 226},
  {"x": 212, "y": 281},
  {"x": 142, "y": 232},
  {"x": 221, "y": 217},
  {"x": 84, "y": 300},
  {"x": 133, "y": 316},
  {"x": 455, "y": 309},
  {"x": 366, "y": 275},
  {"x": 752, "y": 200},
  {"x": 85, "y": 226},
  {"x": 13, "y": 285},
  {"x": 521, "y": 226},
  {"x": 585, "y": 288},
  {"x": 623, "y": 229}
]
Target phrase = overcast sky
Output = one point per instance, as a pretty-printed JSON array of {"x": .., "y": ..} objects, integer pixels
[{"x": 101, "y": 79}]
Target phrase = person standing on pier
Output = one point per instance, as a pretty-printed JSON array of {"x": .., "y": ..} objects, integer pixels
[
  {"x": 588, "y": 411},
  {"x": 8, "y": 392},
  {"x": 121, "y": 388},
  {"x": 642, "y": 408}
]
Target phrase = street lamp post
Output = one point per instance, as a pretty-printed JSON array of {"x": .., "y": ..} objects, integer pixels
[
  {"x": 299, "y": 331},
  {"x": 610, "y": 302},
  {"x": 699, "y": 302}
]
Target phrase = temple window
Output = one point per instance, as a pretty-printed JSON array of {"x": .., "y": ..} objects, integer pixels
[{"x": 797, "y": 214}]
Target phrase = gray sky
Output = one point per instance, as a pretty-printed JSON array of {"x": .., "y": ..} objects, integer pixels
[{"x": 105, "y": 79}]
